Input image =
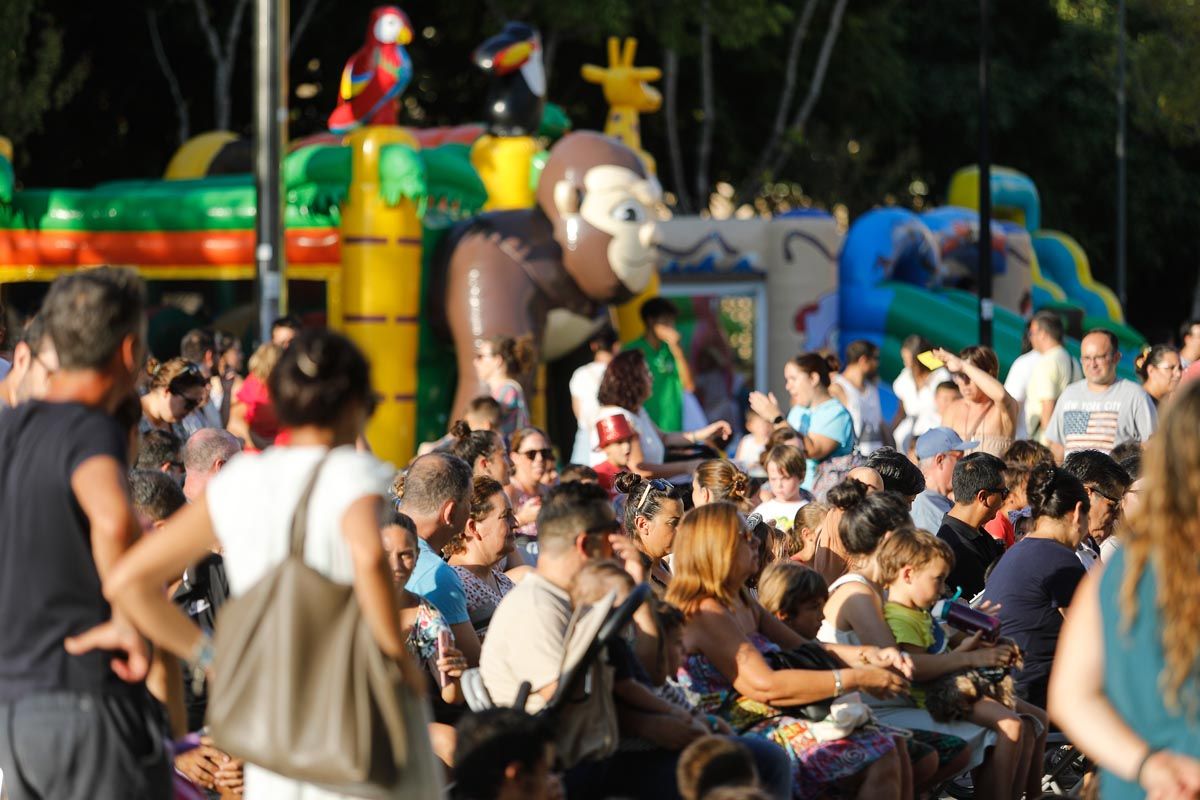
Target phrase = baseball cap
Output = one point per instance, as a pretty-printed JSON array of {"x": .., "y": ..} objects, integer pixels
[{"x": 941, "y": 440}]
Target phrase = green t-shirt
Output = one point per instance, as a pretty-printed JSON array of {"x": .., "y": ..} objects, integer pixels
[
  {"x": 914, "y": 627},
  {"x": 665, "y": 405}
]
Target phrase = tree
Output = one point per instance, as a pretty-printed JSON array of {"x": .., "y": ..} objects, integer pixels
[
  {"x": 34, "y": 76},
  {"x": 223, "y": 43}
]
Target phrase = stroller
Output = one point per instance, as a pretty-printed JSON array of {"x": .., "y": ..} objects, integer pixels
[{"x": 581, "y": 712}]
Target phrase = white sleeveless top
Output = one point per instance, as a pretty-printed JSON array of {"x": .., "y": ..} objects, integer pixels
[
  {"x": 867, "y": 412},
  {"x": 830, "y": 634}
]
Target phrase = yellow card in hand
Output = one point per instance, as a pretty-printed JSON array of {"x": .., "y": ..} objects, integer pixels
[{"x": 930, "y": 361}]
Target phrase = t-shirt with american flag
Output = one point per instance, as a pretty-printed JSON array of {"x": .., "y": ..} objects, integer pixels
[{"x": 1088, "y": 420}]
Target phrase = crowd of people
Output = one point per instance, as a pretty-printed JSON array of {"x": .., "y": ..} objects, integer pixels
[{"x": 835, "y": 603}]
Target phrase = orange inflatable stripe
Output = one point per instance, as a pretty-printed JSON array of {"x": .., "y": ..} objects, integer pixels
[{"x": 148, "y": 248}]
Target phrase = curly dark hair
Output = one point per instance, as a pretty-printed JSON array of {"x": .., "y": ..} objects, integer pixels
[{"x": 625, "y": 383}]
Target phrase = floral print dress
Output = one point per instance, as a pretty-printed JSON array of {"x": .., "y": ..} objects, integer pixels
[{"x": 816, "y": 766}]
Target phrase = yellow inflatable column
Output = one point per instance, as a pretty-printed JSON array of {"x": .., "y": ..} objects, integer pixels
[
  {"x": 381, "y": 290},
  {"x": 503, "y": 164}
]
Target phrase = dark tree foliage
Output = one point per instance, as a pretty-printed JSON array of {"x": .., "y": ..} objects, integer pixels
[{"x": 895, "y": 118}]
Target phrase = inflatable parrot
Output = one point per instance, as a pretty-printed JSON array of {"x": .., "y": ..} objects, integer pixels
[{"x": 375, "y": 76}]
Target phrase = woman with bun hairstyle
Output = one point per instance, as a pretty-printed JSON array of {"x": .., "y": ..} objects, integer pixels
[
  {"x": 1160, "y": 369},
  {"x": 719, "y": 480},
  {"x": 854, "y": 615},
  {"x": 1124, "y": 684},
  {"x": 500, "y": 363},
  {"x": 624, "y": 389},
  {"x": 321, "y": 390},
  {"x": 484, "y": 450},
  {"x": 1033, "y": 582},
  {"x": 728, "y": 639},
  {"x": 478, "y": 554},
  {"x": 830, "y": 557},
  {"x": 652, "y": 516},
  {"x": 825, "y": 426}
]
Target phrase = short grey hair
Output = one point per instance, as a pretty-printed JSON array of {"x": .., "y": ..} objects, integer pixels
[
  {"x": 433, "y": 479},
  {"x": 207, "y": 446},
  {"x": 89, "y": 313}
]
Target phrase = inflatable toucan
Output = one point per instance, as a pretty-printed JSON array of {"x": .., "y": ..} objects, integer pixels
[
  {"x": 517, "y": 94},
  {"x": 375, "y": 76}
]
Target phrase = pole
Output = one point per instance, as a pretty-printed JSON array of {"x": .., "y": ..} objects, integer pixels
[
  {"x": 985, "y": 188},
  {"x": 270, "y": 132},
  {"x": 1121, "y": 213}
]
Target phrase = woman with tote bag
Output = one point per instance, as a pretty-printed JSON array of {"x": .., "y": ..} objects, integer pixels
[{"x": 311, "y": 683}]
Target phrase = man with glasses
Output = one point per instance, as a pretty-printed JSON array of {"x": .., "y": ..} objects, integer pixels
[
  {"x": 1101, "y": 411},
  {"x": 1106, "y": 482},
  {"x": 75, "y": 718},
  {"x": 979, "y": 491},
  {"x": 34, "y": 360},
  {"x": 527, "y": 636},
  {"x": 938, "y": 452}
]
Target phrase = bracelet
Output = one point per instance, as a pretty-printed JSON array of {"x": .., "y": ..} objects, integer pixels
[
  {"x": 837, "y": 683},
  {"x": 1137, "y": 778},
  {"x": 780, "y": 419}
]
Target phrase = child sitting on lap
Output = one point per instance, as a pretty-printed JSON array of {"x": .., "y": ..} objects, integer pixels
[{"x": 914, "y": 565}]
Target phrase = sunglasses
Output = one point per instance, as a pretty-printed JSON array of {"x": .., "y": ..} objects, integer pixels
[
  {"x": 532, "y": 455},
  {"x": 189, "y": 403},
  {"x": 658, "y": 485},
  {"x": 1003, "y": 491}
]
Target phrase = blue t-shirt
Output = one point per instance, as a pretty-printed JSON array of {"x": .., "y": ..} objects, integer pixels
[
  {"x": 832, "y": 420},
  {"x": 928, "y": 509},
  {"x": 1033, "y": 582},
  {"x": 436, "y": 581},
  {"x": 1134, "y": 661}
]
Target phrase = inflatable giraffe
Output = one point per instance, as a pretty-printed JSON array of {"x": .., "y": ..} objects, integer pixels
[{"x": 628, "y": 94}]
